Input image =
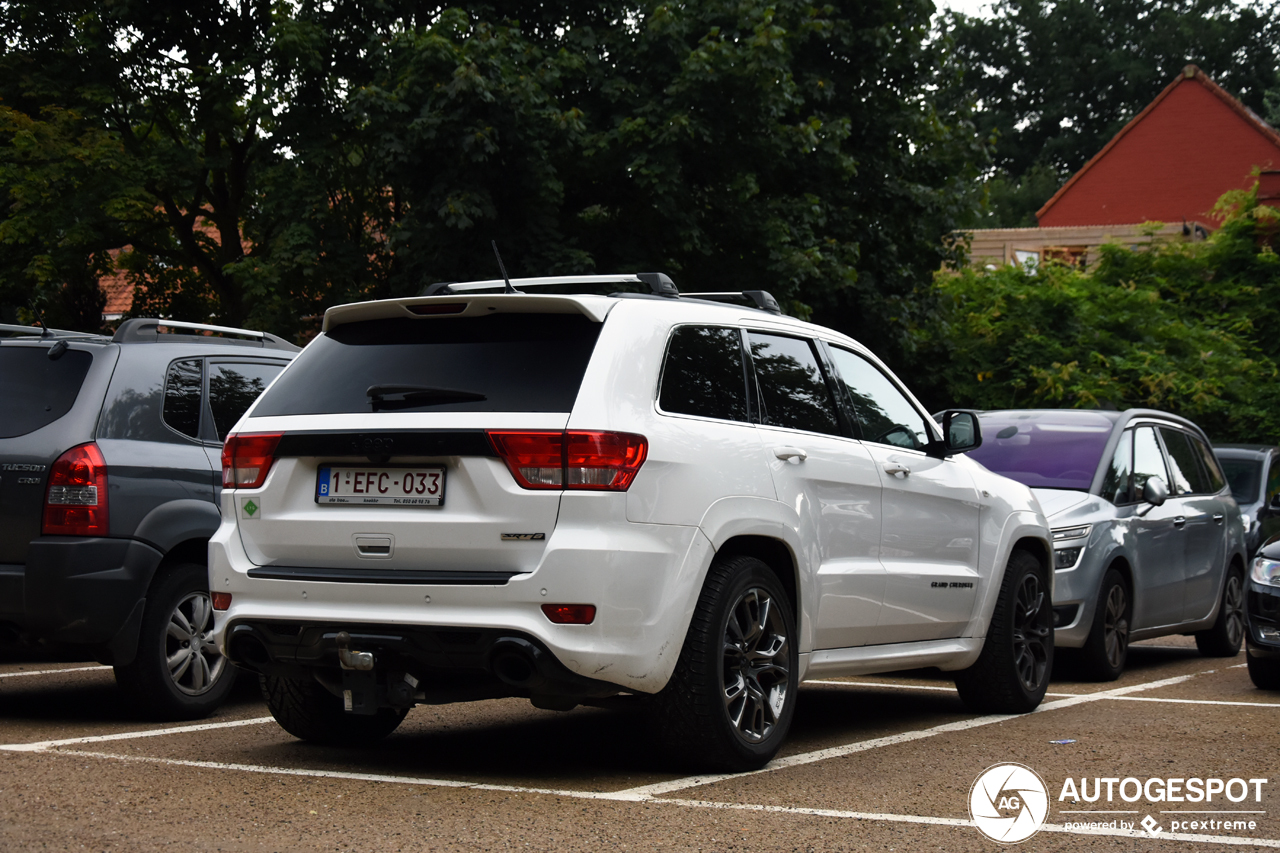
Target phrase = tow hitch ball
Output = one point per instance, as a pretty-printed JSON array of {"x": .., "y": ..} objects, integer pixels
[
  {"x": 360, "y": 693},
  {"x": 359, "y": 683}
]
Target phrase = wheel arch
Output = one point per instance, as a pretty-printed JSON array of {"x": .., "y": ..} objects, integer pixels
[{"x": 776, "y": 554}]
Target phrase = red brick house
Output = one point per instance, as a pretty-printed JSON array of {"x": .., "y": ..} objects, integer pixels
[{"x": 1170, "y": 164}]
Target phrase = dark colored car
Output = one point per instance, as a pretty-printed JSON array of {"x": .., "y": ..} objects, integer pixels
[
  {"x": 1262, "y": 607},
  {"x": 1253, "y": 472},
  {"x": 1147, "y": 538},
  {"x": 110, "y": 474}
]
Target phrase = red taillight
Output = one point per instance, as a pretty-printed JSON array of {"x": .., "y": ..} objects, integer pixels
[
  {"x": 570, "y": 614},
  {"x": 577, "y": 459},
  {"x": 221, "y": 600},
  {"x": 536, "y": 459},
  {"x": 76, "y": 502},
  {"x": 604, "y": 460},
  {"x": 247, "y": 458}
]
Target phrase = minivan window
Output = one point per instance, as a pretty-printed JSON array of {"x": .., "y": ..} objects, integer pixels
[
  {"x": 1148, "y": 461},
  {"x": 1209, "y": 463},
  {"x": 1189, "y": 476},
  {"x": 233, "y": 388},
  {"x": 793, "y": 392},
  {"x": 702, "y": 374},
  {"x": 497, "y": 363},
  {"x": 35, "y": 390},
  {"x": 1044, "y": 449},
  {"x": 1115, "y": 483}
]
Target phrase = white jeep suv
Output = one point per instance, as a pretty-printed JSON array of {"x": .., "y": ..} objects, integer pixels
[{"x": 496, "y": 491}]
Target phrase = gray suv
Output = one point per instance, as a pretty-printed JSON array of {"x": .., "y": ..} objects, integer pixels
[
  {"x": 109, "y": 483},
  {"x": 1147, "y": 538}
]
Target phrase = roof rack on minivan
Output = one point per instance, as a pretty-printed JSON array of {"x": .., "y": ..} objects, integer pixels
[
  {"x": 659, "y": 284},
  {"x": 147, "y": 330},
  {"x": 41, "y": 332}
]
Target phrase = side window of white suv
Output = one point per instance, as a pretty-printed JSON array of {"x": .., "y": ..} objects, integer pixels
[
  {"x": 793, "y": 391},
  {"x": 884, "y": 413},
  {"x": 702, "y": 374}
]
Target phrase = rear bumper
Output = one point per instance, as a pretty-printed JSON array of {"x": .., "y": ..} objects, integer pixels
[
  {"x": 643, "y": 579},
  {"x": 78, "y": 590}
]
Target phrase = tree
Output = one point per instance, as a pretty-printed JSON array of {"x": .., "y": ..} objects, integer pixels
[
  {"x": 269, "y": 160},
  {"x": 1056, "y": 79},
  {"x": 1184, "y": 327}
]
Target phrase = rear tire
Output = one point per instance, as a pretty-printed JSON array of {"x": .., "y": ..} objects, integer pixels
[
  {"x": 1264, "y": 672},
  {"x": 1107, "y": 647},
  {"x": 731, "y": 699},
  {"x": 1224, "y": 638},
  {"x": 1011, "y": 674},
  {"x": 177, "y": 673},
  {"x": 306, "y": 710}
]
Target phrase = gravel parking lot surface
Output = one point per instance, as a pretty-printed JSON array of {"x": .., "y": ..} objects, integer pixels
[{"x": 876, "y": 763}]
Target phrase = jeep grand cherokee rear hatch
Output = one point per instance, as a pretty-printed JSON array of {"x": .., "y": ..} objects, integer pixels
[{"x": 371, "y": 458}]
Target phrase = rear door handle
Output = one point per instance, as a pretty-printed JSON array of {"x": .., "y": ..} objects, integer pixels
[
  {"x": 1217, "y": 517},
  {"x": 1180, "y": 521},
  {"x": 789, "y": 453},
  {"x": 895, "y": 467}
]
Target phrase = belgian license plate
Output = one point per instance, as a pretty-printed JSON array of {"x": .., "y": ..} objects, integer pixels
[{"x": 372, "y": 485}]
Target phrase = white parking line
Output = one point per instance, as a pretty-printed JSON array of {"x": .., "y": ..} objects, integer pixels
[
  {"x": 900, "y": 686},
  {"x": 42, "y": 746},
  {"x": 52, "y": 671},
  {"x": 659, "y": 788},
  {"x": 680, "y": 803},
  {"x": 1197, "y": 701}
]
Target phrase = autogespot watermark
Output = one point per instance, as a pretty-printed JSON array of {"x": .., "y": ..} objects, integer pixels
[{"x": 1009, "y": 803}]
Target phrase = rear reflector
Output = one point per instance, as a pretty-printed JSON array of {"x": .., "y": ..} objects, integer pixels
[
  {"x": 221, "y": 600},
  {"x": 570, "y": 614},
  {"x": 76, "y": 502},
  {"x": 576, "y": 459},
  {"x": 247, "y": 459}
]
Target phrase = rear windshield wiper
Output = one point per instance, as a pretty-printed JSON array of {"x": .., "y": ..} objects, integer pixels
[{"x": 409, "y": 396}]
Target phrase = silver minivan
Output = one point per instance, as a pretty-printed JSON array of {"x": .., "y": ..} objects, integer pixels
[{"x": 1147, "y": 538}]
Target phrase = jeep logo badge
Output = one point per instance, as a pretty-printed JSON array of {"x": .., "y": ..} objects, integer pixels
[{"x": 373, "y": 444}]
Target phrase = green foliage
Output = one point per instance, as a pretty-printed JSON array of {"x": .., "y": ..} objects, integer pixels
[
  {"x": 1182, "y": 327},
  {"x": 258, "y": 162}
]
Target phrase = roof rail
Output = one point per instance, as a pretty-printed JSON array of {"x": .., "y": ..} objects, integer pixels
[
  {"x": 147, "y": 330},
  {"x": 41, "y": 332},
  {"x": 658, "y": 283},
  {"x": 762, "y": 299}
]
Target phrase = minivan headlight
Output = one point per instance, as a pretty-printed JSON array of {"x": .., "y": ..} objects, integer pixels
[
  {"x": 1068, "y": 543},
  {"x": 1266, "y": 571}
]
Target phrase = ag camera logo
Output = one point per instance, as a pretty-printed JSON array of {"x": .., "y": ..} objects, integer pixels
[{"x": 1008, "y": 803}]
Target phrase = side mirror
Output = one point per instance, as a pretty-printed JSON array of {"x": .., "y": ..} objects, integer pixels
[
  {"x": 960, "y": 432},
  {"x": 1155, "y": 492}
]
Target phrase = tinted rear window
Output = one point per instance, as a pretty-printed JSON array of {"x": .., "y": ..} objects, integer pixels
[
  {"x": 517, "y": 362},
  {"x": 37, "y": 391},
  {"x": 703, "y": 374},
  {"x": 1245, "y": 476}
]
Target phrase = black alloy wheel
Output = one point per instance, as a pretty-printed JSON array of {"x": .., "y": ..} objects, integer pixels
[
  {"x": 1107, "y": 647},
  {"x": 1226, "y": 636},
  {"x": 730, "y": 702},
  {"x": 1012, "y": 672}
]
